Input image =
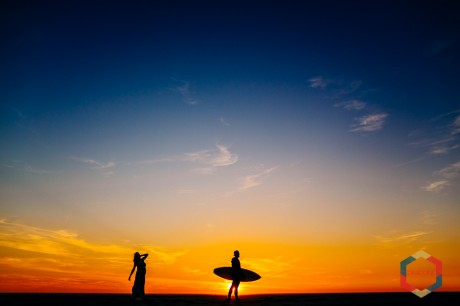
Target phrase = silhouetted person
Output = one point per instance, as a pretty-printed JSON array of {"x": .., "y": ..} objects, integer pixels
[
  {"x": 139, "y": 280},
  {"x": 236, "y": 276}
]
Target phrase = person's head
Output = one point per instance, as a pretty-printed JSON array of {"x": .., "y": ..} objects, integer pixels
[
  {"x": 236, "y": 253},
  {"x": 137, "y": 257}
]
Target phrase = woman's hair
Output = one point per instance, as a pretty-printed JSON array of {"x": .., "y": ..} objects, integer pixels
[{"x": 137, "y": 257}]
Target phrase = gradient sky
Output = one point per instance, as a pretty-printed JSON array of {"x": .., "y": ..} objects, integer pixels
[{"x": 320, "y": 138}]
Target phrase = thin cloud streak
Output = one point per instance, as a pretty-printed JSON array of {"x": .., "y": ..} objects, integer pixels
[
  {"x": 68, "y": 244},
  {"x": 319, "y": 82},
  {"x": 370, "y": 123},
  {"x": 450, "y": 172},
  {"x": 224, "y": 121},
  {"x": 436, "y": 186},
  {"x": 212, "y": 159},
  {"x": 395, "y": 238},
  {"x": 443, "y": 138},
  {"x": 96, "y": 164},
  {"x": 445, "y": 177},
  {"x": 22, "y": 166},
  {"x": 184, "y": 91},
  {"x": 255, "y": 180},
  {"x": 456, "y": 126},
  {"x": 351, "y": 105}
]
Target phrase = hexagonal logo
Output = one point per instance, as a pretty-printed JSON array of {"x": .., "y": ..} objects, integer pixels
[{"x": 403, "y": 271}]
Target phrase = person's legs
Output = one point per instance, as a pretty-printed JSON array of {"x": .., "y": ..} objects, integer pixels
[
  {"x": 237, "y": 284},
  {"x": 234, "y": 286},
  {"x": 230, "y": 292}
]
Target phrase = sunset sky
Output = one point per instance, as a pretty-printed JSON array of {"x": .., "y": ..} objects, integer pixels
[{"x": 319, "y": 138}]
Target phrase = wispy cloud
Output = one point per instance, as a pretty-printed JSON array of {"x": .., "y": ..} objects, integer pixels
[
  {"x": 60, "y": 259},
  {"x": 400, "y": 238},
  {"x": 96, "y": 164},
  {"x": 442, "y": 136},
  {"x": 255, "y": 180},
  {"x": 219, "y": 157},
  {"x": 46, "y": 241},
  {"x": 23, "y": 166},
  {"x": 428, "y": 217},
  {"x": 445, "y": 176},
  {"x": 224, "y": 121},
  {"x": 438, "y": 150},
  {"x": 185, "y": 92},
  {"x": 450, "y": 172},
  {"x": 437, "y": 144},
  {"x": 164, "y": 255},
  {"x": 436, "y": 186},
  {"x": 370, "y": 123},
  {"x": 351, "y": 105},
  {"x": 339, "y": 88},
  {"x": 106, "y": 168},
  {"x": 65, "y": 243},
  {"x": 456, "y": 126},
  {"x": 271, "y": 267},
  {"x": 319, "y": 82},
  {"x": 347, "y": 95}
]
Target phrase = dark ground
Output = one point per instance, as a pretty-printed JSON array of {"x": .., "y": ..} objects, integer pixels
[{"x": 352, "y": 299}]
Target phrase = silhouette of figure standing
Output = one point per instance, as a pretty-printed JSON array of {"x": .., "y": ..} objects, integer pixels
[
  {"x": 139, "y": 280},
  {"x": 236, "y": 276}
]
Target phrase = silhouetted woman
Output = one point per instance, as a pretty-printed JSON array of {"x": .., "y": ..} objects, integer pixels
[{"x": 139, "y": 280}]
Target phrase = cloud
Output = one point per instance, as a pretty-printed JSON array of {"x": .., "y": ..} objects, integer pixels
[
  {"x": 370, "y": 123},
  {"x": 445, "y": 176},
  {"x": 428, "y": 217},
  {"x": 436, "y": 186},
  {"x": 438, "y": 150},
  {"x": 443, "y": 138},
  {"x": 42, "y": 259},
  {"x": 272, "y": 267},
  {"x": 349, "y": 88},
  {"x": 255, "y": 180},
  {"x": 456, "y": 126},
  {"x": 398, "y": 238},
  {"x": 96, "y": 164},
  {"x": 224, "y": 121},
  {"x": 22, "y": 166},
  {"x": 450, "y": 172},
  {"x": 185, "y": 92},
  {"x": 46, "y": 243},
  {"x": 351, "y": 105},
  {"x": 219, "y": 157},
  {"x": 107, "y": 168},
  {"x": 164, "y": 255},
  {"x": 319, "y": 82}
]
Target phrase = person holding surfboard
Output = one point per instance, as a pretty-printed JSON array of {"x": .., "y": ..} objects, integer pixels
[
  {"x": 139, "y": 280},
  {"x": 236, "y": 276}
]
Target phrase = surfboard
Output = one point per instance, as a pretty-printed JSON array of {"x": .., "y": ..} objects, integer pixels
[{"x": 226, "y": 272}]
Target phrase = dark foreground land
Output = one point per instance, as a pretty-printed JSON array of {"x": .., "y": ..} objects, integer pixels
[{"x": 352, "y": 299}]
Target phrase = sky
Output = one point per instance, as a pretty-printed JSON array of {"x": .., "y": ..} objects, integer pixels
[{"x": 321, "y": 139}]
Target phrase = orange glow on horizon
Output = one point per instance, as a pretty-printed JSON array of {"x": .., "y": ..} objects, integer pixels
[{"x": 39, "y": 260}]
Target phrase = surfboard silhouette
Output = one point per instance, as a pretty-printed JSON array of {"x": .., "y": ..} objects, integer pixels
[{"x": 247, "y": 275}]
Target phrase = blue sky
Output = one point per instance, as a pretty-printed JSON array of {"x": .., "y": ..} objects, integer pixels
[{"x": 113, "y": 107}]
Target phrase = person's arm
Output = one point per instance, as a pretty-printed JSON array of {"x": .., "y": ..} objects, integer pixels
[
  {"x": 132, "y": 271},
  {"x": 144, "y": 256}
]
